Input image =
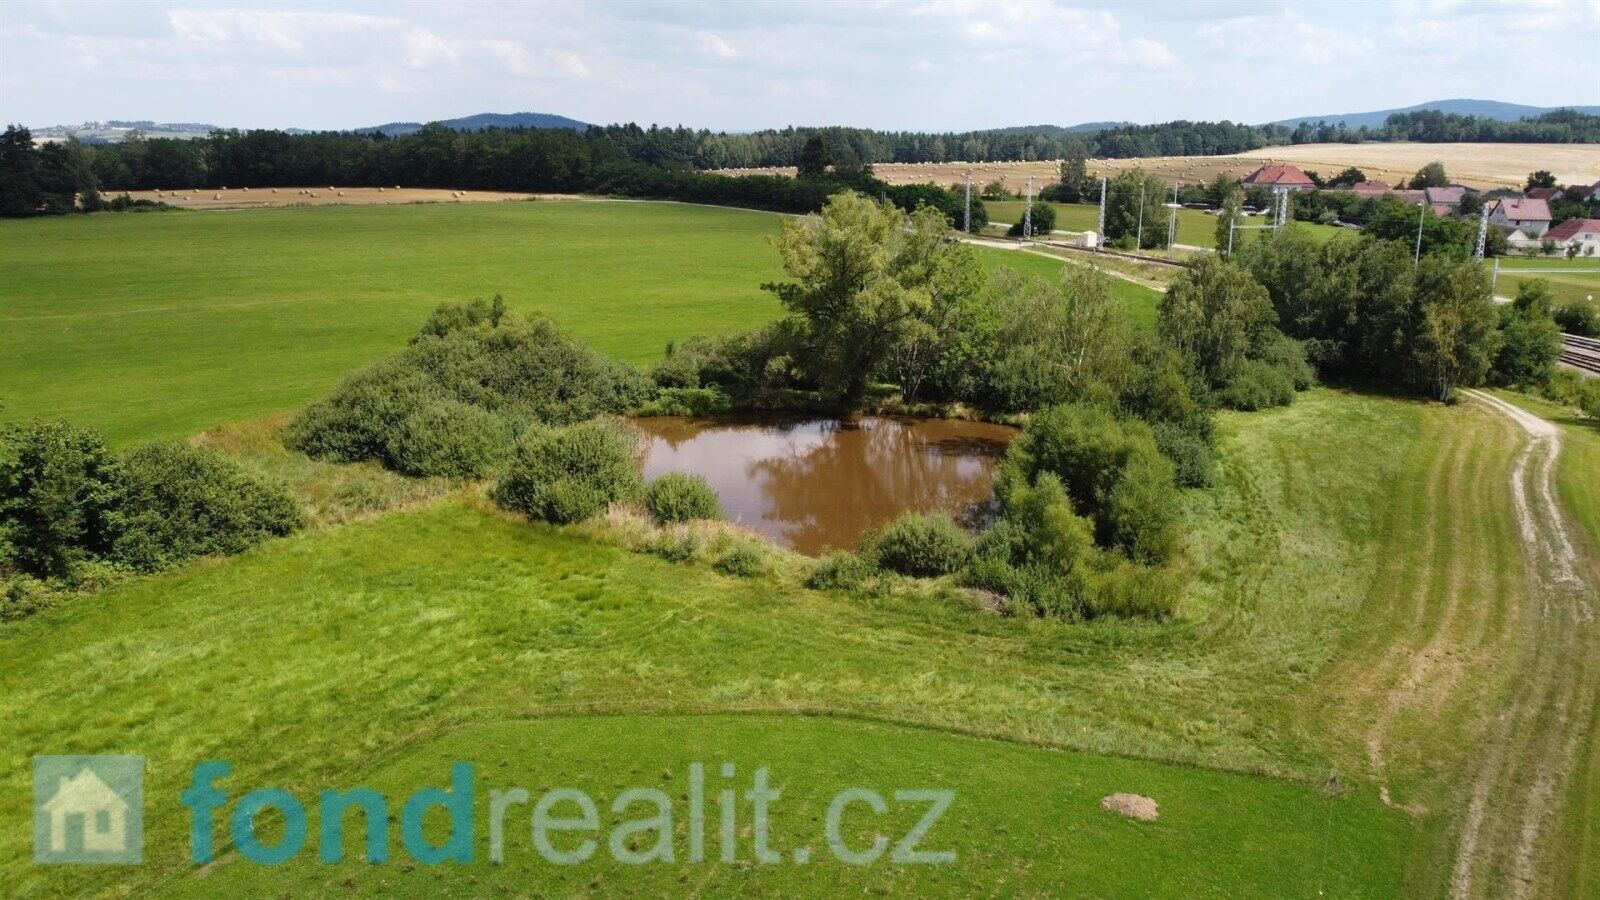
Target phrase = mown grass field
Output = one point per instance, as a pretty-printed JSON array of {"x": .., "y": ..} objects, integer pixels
[
  {"x": 160, "y": 325},
  {"x": 1573, "y": 281},
  {"x": 1195, "y": 228},
  {"x": 348, "y": 642},
  {"x": 1026, "y": 820},
  {"x": 1360, "y": 608}
]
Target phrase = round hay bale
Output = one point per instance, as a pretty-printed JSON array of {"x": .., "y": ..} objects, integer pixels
[
  {"x": 216, "y": 196},
  {"x": 341, "y": 193},
  {"x": 330, "y": 187},
  {"x": 274, "y": 190},
  {"x": 380, "y": 190},
  {"x": 311, "y": 193},
  {"x": 397, "y": 187},
  {"x": 1132, "y": 806}
]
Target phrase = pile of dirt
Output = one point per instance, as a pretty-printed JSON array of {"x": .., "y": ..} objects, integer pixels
[{"x": 1133, "y": 806}]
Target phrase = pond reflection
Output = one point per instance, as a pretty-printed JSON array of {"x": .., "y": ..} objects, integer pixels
[{"x": 815, "y": 484}]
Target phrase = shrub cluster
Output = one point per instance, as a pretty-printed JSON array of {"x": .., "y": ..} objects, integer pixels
[
  {"x": 450, "y": 402},
  {"x": 69, "y": 505},
  {"x": 680, "y": 497},
  {"x": 841, "y": 572},
  {"x": 1578, "y": 318},
  {"x": 570, "y": 474},
  {"x": 177, "y": 502},
  {"x": 1112, "y": 471},
  {"x": 921, "y": 545}
]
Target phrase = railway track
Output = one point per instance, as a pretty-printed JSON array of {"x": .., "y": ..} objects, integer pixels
[{"x": 1581, "y": 353}]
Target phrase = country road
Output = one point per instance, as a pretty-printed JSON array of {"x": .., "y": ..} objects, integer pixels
[{"x": 1527, "y": 768}]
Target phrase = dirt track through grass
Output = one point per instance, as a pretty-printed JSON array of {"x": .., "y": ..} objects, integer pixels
[
  {"x": 1521, "y": 781},
  {"x": 1466, "y": 695}
]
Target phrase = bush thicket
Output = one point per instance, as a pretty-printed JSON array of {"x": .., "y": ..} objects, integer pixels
[
  {"x": 570, "y": 474},
  {"x": 680, "y": 497},
  {"x": 1111, "y": 468},
  {"x": 446, "y": 404},
  {"x": 72, "y": 512},
  {"x": 58, "y": 485},
  {"x": 175, "y": 502},
  {"x": 920, "y": 544}
]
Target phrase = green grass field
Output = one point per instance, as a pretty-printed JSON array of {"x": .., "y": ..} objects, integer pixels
[
  {"x": 1026, "y": 820},
  {"x": 1195, "y": 228},
  {"x": 347, "y": 642},
  {"x": 1359, "y": 615},
  {"x": 1574, "y": 281},
  {"x": 159, "y": 325}
]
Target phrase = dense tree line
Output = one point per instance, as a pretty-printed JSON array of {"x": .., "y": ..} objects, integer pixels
[
  {"x": 1562, "y": 126},
  {"x": 37, "y": 180}
]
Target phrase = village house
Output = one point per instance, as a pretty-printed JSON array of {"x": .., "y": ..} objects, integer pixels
[
  {"x": 1583, "y": 232},
  {"x": 1279, "y": 178},
  {"x": 1371, "y": 189},
  {"x": 1449, "y": 195},
  {"x": 1542, "y": 193},
  {"x": 1531, "y": 217}
]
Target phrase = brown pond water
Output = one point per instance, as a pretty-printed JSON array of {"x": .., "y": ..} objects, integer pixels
[{"x": 814, "y": 484}]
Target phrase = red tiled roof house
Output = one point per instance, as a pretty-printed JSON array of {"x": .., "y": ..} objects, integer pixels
[{"x": 1280, "y": 178}]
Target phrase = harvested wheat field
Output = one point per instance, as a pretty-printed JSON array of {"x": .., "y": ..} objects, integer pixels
[
  {"x": 1476, "y": 165},
  {"x": 261, "y": 198}
]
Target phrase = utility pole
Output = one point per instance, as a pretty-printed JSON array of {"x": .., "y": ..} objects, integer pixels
[
  {"x": 1483, "y": 230},
  {"x": 1138, "y": 243},
  {"x": 1233, "y": 222},
  {"x": 1100, "y": 236},
  {"x": 966, "y": 217},
  {"x": 1027, "y": 215},
  {"x": 1422, "y": 215}
]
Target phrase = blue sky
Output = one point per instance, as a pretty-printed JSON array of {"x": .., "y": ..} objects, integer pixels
[{"x": 885, "y": 63}]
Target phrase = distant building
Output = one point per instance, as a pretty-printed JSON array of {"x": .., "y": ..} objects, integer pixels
[
  {"x": 1281, "y": 178},
  {"x": 1531, "y": 217},
  {"x": 1409, "y": 198},
  {"x": 1371, "y": 189},
  {"x": 1583, "y": 232},
  {"x": 1584, "y": 193},
  {"x": 1545, "y": 194},
  {"x": 1449, "y": 195}
]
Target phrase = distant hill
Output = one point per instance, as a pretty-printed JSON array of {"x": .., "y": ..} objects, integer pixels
[
  {"x": 1490, "y": 109},
  {"x": 484, "y": 120}
]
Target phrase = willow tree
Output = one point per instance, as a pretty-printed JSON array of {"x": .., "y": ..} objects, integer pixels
[{"x": 864, "y": 274}]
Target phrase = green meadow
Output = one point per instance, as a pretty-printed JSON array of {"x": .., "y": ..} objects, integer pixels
[
  {"x": 1195, "y": 228},
  {"x": 1570, "y": 280},
  {"x": 1360, "y": 611},
  {"x": 159, "y": 325}
]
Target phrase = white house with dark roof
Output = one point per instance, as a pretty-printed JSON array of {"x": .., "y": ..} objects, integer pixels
[
  {"x": 1531, "y": 217},
  {"x": 1583, "y": 232}
]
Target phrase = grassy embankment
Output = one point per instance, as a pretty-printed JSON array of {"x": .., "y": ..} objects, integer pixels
[{"x": 160, "y": 325}]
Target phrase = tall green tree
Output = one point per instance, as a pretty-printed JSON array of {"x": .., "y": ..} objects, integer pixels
[
  {"x": 1216, "y": 313},
  {"x": 20, "y": 194},
  {"x": 815, "y": 157},
  {"x": 1232, "y": 205},
  {"x": 1459, "y": 335},
  {"x": 864, "y": 274},
  {"x": 1430, "y": 175},
  {"x": 1541, "y": 179},
  {"x": 1123, "y": 220}
]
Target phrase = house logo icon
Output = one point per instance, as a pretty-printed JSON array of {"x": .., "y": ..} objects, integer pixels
[{"x": 88, "y": 809}]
